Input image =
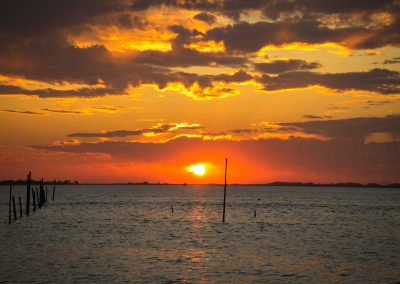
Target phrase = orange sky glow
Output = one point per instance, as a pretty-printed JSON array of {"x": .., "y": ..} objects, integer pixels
[{"x": 132, "y": 91}]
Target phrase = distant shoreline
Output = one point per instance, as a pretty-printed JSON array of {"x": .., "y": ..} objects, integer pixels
[{"x": 278, "y": 183}]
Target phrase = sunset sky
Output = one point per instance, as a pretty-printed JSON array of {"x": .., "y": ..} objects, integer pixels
[{"x": 139, "y": 90}]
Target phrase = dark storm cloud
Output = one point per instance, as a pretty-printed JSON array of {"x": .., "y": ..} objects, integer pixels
[
  {"x": 377, "y": 80},
  {"x": 307, "y": 21},
  {"x": 250, "y": 37},
  {"x": 53, "y": 61},
  {"x": 205, "y": 17},
  {"x": 60, "y": 62},
  {"x": 350, "y": 129},
  {"x": 34, "y": 45},
  {"x": 44, "y": 17},
  {"x": 180, "y": 56},
  {"x": 56, "y": 63},
  {"x": 53, "y": 93},
  {"x": 275, "y": 9},
  {"x": 239, "y": 77},
  {"x": 184, "y": 57},
  {"x": 281, "y": 66},
  {"x": 128, "y": 21},
  {"x": 184, "y": 35},
  {"x": 230, "y": 8}
]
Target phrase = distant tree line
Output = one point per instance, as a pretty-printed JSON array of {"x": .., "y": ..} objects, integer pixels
[
  {"x": 37, "y": 182},
  {"x": 339, "y": 184}
]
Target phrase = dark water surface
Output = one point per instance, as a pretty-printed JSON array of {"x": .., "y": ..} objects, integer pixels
[{"x": 115, "y": 234}]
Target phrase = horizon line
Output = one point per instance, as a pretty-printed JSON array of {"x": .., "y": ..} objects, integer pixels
[{"x": 275, "y": 183}]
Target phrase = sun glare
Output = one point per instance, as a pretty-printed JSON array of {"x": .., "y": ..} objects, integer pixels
[{"x": 198, "y": 169}]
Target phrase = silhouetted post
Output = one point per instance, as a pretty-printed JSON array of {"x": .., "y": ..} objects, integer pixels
[
  {"x": 28, "y": 192},
  {"x": 223, "y": 212},
  {"x": 255, "y": 213},
  {"x": 172, "y": 209},
  {"x": 20, "y": 206},
  {"x": 9, "y": 206},
  {"x": 54, "y": 189},
  {"x": 15, "y": 210}
]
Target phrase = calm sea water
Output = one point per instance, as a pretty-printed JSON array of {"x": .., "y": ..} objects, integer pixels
[{"x": 115, "y": 234}]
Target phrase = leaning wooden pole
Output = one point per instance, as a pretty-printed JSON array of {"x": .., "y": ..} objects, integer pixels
[
  {"x": 15, "y": 209},
  {"x": 28, "y": 192},
  {"x": 223, "y": 212},
  {"x": 9, "y": 206}
]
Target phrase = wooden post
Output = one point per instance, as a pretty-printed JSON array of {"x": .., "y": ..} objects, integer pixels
[
  {"x": 54, "y": 189},
  {"x": 20, "y": 206},
  {"x": 255, "y": 213},
  {"x": 223, "y": 212},
  {"x": 172, "y": 209},
  {"x": 9, "y": 206},
  {"x": 15, "y": 210},
  {"x": 28, "y": 192},
  {"x": 34, "y": 200}
]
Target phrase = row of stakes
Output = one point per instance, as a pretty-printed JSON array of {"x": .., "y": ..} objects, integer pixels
[{"x": 39, "y": 198}]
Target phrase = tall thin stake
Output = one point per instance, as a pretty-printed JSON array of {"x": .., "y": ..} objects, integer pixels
[
  {"x": 28, "y": 192},
  {"x": 223, "y": 212},
  {"x": 15, "y": 210},
  {"x": 54, "y": 189},
  {"x": 9, "y": 206}
]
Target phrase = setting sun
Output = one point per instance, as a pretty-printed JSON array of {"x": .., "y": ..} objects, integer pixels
[{"x": 198, "y": 169}]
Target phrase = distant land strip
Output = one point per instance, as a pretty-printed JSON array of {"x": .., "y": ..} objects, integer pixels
[{"x": 277, "y": 183}]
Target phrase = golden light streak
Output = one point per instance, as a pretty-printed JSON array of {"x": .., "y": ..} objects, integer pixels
[
  {"x": 207, "y": 46},
  {"x": 330, "y": 47}
]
